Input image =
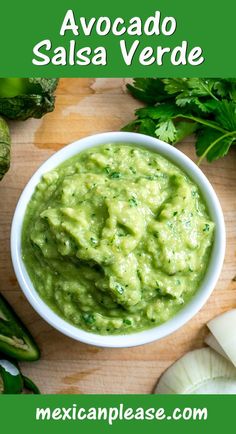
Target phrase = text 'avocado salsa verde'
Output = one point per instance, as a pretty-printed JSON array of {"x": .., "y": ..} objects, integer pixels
[{"x": 116, "y": 239}]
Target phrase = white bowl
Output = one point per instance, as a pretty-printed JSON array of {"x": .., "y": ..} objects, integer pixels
[{"x": 213, "y": 270}]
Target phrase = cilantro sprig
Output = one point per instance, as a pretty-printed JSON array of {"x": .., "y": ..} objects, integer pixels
[{"x": 178, "y": 107}]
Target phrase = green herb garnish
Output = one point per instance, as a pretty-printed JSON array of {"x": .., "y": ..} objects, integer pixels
[
  {"x": 115, "y": 175},
  {"x": 127, "y": 321},
  {"x": 119, "y": 288},
  {"x": 178, "y": 107},
  {"x": 133, "y": 201},
  {"x": 88, "y": 318}
]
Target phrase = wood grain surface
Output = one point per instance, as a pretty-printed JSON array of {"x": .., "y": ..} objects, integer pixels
[{"x": 83, "y": 107}]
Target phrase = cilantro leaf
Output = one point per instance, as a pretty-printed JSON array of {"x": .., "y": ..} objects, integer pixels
[
  {"x": 161, "y": 111},
  {"x": 226, "y": 114},
  {"x": 142, "y": 126},
  {"x": 212, "y": 144},
  {"x": 189, "y": 87},
  {"x": 166, "y": 131},
  {"x": 175, "y": 85},
  {"x": 148, "y": 90},
  {"x": 184, "y": 129},
  {"x": 193, "y": 104},
  {"x": 226, "y": 88},
  {"x": 173, "y": 132}
]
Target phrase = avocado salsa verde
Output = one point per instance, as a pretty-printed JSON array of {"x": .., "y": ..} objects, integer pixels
[{"x": 116, "y": 239}]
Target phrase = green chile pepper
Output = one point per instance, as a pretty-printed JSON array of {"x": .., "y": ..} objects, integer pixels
[
  {"x": 15, "y": 340},
  {"x": 5, "y": 147},
  {"x": 11, "y": 381},
  {"x": 30, "y": 385}
]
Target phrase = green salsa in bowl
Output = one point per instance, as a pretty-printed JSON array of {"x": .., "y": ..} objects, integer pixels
[{"x": 117, "y": 238}]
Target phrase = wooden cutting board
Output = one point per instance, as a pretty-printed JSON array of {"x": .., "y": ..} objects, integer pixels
[{"x": 83, "y": 107}]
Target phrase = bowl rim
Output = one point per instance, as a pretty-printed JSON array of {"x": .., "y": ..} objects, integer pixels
[{"x": 206, "y": 286}]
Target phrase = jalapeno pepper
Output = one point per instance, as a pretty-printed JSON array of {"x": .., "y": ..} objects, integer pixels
[
  {"x": 11, "y": 381},
  {"x": 15, "y": 340},
  {"x": 30, "y": 385}
]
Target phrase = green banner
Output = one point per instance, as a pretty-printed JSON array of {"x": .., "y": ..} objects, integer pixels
[
  {"x": 117, "y": 414},
  {"x": 123, "y": 38}
]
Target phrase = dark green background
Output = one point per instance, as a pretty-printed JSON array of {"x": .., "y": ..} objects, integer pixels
[
  {"x": 204, "y": 23},
  {"x": 17, "y": 414}
]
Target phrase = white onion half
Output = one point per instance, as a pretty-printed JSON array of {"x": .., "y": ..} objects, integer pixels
[
  {"x": 214, "y": 344},
  {"x": 223, "y": 328},
  {"x": 200, "y": 371}
]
